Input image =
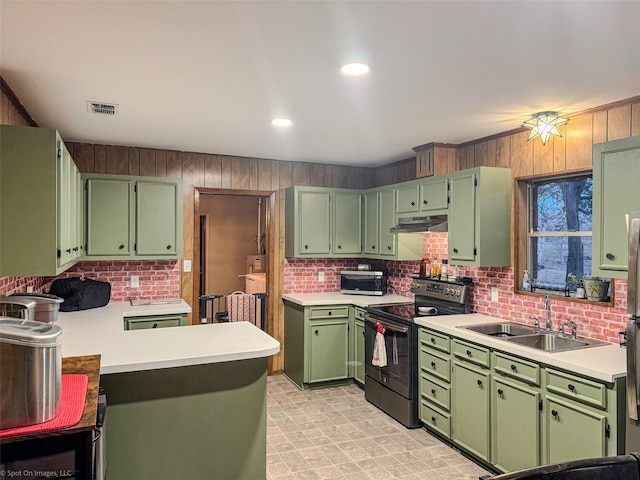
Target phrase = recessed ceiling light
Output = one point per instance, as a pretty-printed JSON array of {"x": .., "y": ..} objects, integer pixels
[
  {"x": 355, "y": 69},
  {"x": 281, "y": 122}
]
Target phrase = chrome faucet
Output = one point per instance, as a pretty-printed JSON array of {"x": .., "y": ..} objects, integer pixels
[
  {"x": 536, "y": 322},
  {"x": 572, "y": 325},
  {"x": 547, "y": 306}
]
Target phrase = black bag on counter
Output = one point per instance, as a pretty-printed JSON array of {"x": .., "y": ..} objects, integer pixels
[{"x": 81, "y": 293}]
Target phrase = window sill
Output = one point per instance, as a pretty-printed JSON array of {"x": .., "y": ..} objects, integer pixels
[{"x": 607, "y": 303}]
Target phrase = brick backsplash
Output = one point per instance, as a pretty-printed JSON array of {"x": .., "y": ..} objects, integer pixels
[
  {"x": 158, "y": 279},
  {"x": 594, "y": 321}
]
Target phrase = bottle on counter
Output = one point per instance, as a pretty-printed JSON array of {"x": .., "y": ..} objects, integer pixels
[
  {"x": 435, "y": 268},
  {"x": 425, "y": 267},
  {"x": 453, "y": 276},
  {"x": 526, "y": 285},
  {"x": 444, "y": 270}
]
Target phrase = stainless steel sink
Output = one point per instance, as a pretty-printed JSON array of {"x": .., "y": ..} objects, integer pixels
[
  {"x": 532, "y": 337},
  {"x": 554, "y": 342},
  {"x": 503, "y": 329}
]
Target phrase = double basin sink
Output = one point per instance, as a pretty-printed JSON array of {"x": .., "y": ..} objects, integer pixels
[{"x": 533, "y": 337}]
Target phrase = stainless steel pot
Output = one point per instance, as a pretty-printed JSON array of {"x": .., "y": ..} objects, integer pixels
[{"x": 30, "y": 372}]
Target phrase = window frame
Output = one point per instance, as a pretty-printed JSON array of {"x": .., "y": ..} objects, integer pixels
[{"x": 522, "y": 245}]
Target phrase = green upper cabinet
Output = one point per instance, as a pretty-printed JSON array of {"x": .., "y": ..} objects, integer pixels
[
  {"x": 434, "y": 195},
  {"x": 616, "y": 173},
  {"x": 41, "y": 232},
  {"x": 156, "y": 200},
  {"x": 133, "y": 217},
  {"x": 480, "y": 217},
  {"x": 380, "y": 210},
  {"x": 407, "y": 198},
  {"x": 371, "y": 223},
  {"x": 323, "y": 222},
  {"x": 109, "y": 216},
  {"x": 347, "y": 224}
]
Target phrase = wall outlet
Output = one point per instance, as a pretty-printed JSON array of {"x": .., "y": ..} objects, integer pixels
[
  {"x": 30, "y": 289},
  {"x": 494, "y": 294},
  {"x": 321, "y": 276},
  {"x": 135, "y": 281},
  {"x": 186, "y": 265}
]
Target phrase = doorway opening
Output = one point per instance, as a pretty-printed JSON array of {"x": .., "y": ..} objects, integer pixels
[{"x": 233, "y": 250}]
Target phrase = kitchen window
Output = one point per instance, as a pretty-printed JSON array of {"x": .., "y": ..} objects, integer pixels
[{"x": 558, "y": 232}]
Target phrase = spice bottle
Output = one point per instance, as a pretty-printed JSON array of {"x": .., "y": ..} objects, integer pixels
[
  {"x": 425, "y": 269},
  {"x": 435, "y": 268},
  {"x": 444, "y": 269}
]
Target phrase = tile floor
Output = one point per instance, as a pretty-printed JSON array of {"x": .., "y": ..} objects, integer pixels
[{"x": 334, "y": 433}]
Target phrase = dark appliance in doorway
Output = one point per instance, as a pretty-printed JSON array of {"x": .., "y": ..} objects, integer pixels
[{"x": 394, "y": 388}]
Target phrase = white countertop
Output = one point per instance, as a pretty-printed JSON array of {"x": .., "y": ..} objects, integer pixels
[
  {"x": 604, "y": 363},
  {"x": 101, "y": 331},
  {"x": 337, "y": 298}
]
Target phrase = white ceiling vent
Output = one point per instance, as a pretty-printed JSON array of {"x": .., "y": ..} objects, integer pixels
[{"x": 101, "y": 108}]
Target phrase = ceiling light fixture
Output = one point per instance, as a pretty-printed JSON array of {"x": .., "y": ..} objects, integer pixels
[
  {"x": 281, "y": 122},
  {"x": 544, "y": 124},
  {"x": 355, "y": 69}
]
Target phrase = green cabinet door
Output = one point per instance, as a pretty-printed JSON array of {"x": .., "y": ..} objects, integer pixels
[
  {"x": 109, "y": 214},
  {"x": 462, "y": 227},
  {"x": 314, "y": 222},
  {"x": 434, "y": 195},
  {"x": 515, "y": 427},
  {"x": 387, "y": 220},
  {"x": 65, "y": 200},
  {"x": 328, "y": 350},
  {"x": 358, "y": 357},
  {"x": 347, "y": 224},
  {"x": 470, "y": 403},
  {"x": 616, "y": 170},
  {"x": 371, "y": 223},
  {"x": 156, "y": 216},
  {"x": 407, "y": 199},
  {"x": 572, "y": 431}
]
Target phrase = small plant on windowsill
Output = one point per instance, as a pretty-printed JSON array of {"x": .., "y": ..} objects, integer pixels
[
  {"x": 596, "y": 288},
  {"x": 577, "y": 285}
]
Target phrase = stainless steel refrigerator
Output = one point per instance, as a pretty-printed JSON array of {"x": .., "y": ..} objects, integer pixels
[{"x": 633, "y": 336}]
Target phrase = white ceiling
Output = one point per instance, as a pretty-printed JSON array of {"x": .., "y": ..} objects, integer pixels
[{"x": 209, "y": 76}]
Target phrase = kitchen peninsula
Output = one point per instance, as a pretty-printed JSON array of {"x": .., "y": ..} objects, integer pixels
[{"x": 183, "y": 402}]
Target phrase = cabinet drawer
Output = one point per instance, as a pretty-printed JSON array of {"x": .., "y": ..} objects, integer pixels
[
  {"x": 435, "y": 393},
  {"x": 359, "y": 314},
  {"x": 576, "y": 388},
  {"x": 431, "y": 339},
  {"x": 159, "y": 321},
  {"x": 340, "y": 311},
  {"x": 516, "y": 368},
  {"x": 471, "y": 353},
  {"x": 432, "y": 418},
  {"x": 434, "y": 364}
]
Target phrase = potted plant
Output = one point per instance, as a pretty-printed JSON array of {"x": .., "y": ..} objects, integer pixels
[
  {"x": 578, "y": 285},
  {"x": 596, "y": 288}
]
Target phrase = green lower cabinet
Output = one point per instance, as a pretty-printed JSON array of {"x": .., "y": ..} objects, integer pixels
[
  {"x": 358, "y": 357},
  {"x": 470, "y": 387},
  {"x": 572, "y": 431},
  {"x": 155, "y": 321},
  {"x": 328, "y": 350},
  {"x": 515, "y": 425}
]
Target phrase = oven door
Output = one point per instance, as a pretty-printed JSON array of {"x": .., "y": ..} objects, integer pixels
[{"x": 397, "y": 374}]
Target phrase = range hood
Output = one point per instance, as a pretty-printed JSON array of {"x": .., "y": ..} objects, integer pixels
[{"x": 432, "y": 223}]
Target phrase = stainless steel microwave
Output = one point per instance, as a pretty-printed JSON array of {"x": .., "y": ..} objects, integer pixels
[{"x": 363, "y": 282}]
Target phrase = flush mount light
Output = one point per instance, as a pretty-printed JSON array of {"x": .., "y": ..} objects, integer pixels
[
  {"x": 281, "y": 122},
  {"x": 355, "y": 69},
  {"x": 544, "y": 124}
]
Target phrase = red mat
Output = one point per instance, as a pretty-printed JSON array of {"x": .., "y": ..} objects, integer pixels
[{"x": 72, "y": 396}]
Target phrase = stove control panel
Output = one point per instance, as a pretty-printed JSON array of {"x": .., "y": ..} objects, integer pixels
[{"x": 453, "y": 292}]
